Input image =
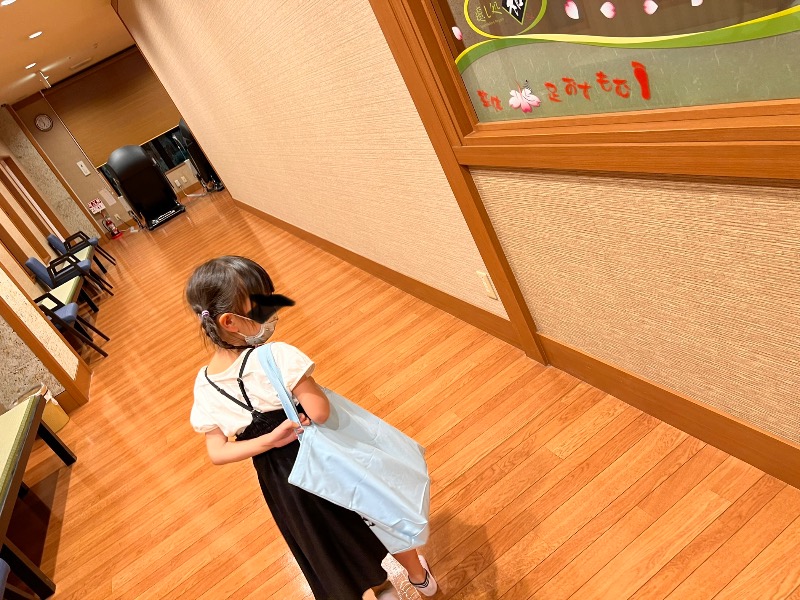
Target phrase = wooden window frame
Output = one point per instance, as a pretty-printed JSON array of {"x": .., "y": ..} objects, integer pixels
[
  {"x": 753, "y": 140},
  {"x": 754, "y": 143}
]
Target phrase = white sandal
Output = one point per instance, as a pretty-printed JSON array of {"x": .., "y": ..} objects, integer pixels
[{"x": 428, "y": 587}]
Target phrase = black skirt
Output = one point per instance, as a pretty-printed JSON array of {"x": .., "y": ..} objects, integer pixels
[{"x": 336, "y": 550}]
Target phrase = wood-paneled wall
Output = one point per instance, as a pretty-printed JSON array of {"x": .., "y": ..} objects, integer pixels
[{"x": 118, "y": 103}]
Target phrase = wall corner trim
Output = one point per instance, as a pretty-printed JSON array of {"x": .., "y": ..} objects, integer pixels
[
  {"x": 774, "y": 455},
  {"x": 444, "y": 130},
  {"x": 482, "y": 319}
]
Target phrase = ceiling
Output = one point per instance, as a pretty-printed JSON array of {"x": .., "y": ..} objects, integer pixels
[{"x": 75, "y": 35}]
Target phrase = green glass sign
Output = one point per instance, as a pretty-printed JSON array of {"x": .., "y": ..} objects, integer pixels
[{"x": 546, "y": 72}]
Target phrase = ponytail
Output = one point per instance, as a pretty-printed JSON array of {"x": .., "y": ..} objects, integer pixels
[{"x": 223, "y": 285}]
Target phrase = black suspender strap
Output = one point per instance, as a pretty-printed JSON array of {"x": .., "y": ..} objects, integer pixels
[{"x": 249, "y": 405}]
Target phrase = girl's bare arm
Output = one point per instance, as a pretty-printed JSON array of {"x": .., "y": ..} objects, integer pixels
[
  {"x": 315, "y": 402},
  {"x": 222, "y": 451}
]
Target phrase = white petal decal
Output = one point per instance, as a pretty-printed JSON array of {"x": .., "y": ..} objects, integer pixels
[
  {"x": 572, "y": 10},
  {"x": 697, "y": 2},
  {"x": 609, "y": 10},
  {"x": 650, "y": 7},
  {"x": 457, "y": 33}
]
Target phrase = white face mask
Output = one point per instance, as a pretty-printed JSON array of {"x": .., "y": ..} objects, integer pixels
[{"x": 264, "y": 333}]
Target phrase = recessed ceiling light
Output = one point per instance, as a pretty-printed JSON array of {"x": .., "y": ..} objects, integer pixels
[
  {"x": 30, "y": 66},
  {"x": 7, "y": 2},
  {"x": 34, "y": 35}
]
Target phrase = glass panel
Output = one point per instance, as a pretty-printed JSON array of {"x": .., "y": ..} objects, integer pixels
[
  {"x": 167, "y": 150},
  {"x": 524, "y": 59}
]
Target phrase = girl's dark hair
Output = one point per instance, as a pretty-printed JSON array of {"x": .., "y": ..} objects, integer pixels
[{"x": 223, "y": 285}]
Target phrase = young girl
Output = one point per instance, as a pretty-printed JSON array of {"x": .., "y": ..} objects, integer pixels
[{"x": 233, "y": 398}]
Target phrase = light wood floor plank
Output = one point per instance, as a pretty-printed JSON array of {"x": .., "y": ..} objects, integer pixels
[
  {"x": 556, "y": 575},
  {"x": 543, "y": 487},
  {"x": 676, "y": 525},
  {"x": 747, "y": 543},
  {"x": 773, "y": 573},
  {"x": 518, "y": 449},
  {"x": 524, "y": 540},
  {"x": 688, "y": 559},
  {"x": 590, "y": 561}
]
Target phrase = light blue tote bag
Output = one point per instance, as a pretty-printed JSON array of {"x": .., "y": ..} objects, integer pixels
[{"x": 362, "y": 463}]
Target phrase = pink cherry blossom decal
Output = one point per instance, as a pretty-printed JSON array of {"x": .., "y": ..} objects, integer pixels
[
  {"x": 697, "y": 2},
  {"x": 457, "y": 33},
  {"x": 609, "y": 10},
  {"x": 524, "y": 99},
  {"x": 571, "y": 9},
  {"x": 650, "y": 7}
]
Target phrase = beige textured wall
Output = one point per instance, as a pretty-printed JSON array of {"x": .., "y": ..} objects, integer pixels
[
  {"x": 64, "y": 152},
  {"x": 303, "y": 112},
  {"x": 13, "y": 142},
  {"x": 15, "y": 206},
  {"x": 18, "y": 273},
  {"x": 11, "y": 230},
  {"x": 21, "y": 369},
  {"x": 182, "y": 170},
  {"x": 694, "y": 286}
]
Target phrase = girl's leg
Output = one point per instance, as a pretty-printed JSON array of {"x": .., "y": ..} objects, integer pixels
[
  {"x": 410, "y": 561},
  {"x": 419, "y": 574}
]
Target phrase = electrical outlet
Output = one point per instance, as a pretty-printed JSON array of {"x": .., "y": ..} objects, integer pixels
[
  {"x": 183, "y": 179},
  {"x": 177, "y": 183},
  {"x": 488, "y": 286},
  {"x": 84, "y": 169},
  {"x": 117, "y": 217}
]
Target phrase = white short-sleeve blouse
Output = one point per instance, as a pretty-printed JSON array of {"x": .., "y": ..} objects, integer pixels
[{"x": 212, "y": 410}]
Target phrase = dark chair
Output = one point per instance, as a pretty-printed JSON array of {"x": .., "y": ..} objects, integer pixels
[
  {"x": 4, "y": 571},
  {"x": 144, "y": 185},
  {"x": 79, "y": 241},
  {"x": 72, "y": 263},
  {"x": 66, "y": 318},
  {"x": 71, "y": 278},
  {"x": 9, "y": 592},
  {"x": 84, "y": 251}
]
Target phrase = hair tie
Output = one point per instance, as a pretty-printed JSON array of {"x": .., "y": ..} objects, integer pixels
[{"x": 205, "y": 314}]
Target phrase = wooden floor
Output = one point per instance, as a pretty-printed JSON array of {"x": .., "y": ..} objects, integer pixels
[{"x": 543, "y": 487}]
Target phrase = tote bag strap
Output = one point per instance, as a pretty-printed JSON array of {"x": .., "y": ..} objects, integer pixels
[{"x": 274, "y": 375}]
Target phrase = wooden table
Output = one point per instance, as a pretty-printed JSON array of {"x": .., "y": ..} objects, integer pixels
[{"x": 18, "y": 430}]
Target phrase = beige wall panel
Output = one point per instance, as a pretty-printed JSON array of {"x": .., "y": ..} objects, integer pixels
[
  {"x": 21, "y": 368},
  {"x": 23, "y": 193},
  {"x": 10, "y": 233},
  {"x": 19, "y": 274},
  {"x": 21, "y": 215},
  {"x": 120, "y": 103},
  {"x": 64, "y": 153},
  {"x": 13, "y": 142},
  {"x": 182, "y": 170},
  {"x": 303, "y": 112},
  {"x": 694, "y": 286},
  {"x": 38, "y": 324}
]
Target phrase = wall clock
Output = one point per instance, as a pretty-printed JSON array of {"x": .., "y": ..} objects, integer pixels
[{"x": 43, "y": 122}]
